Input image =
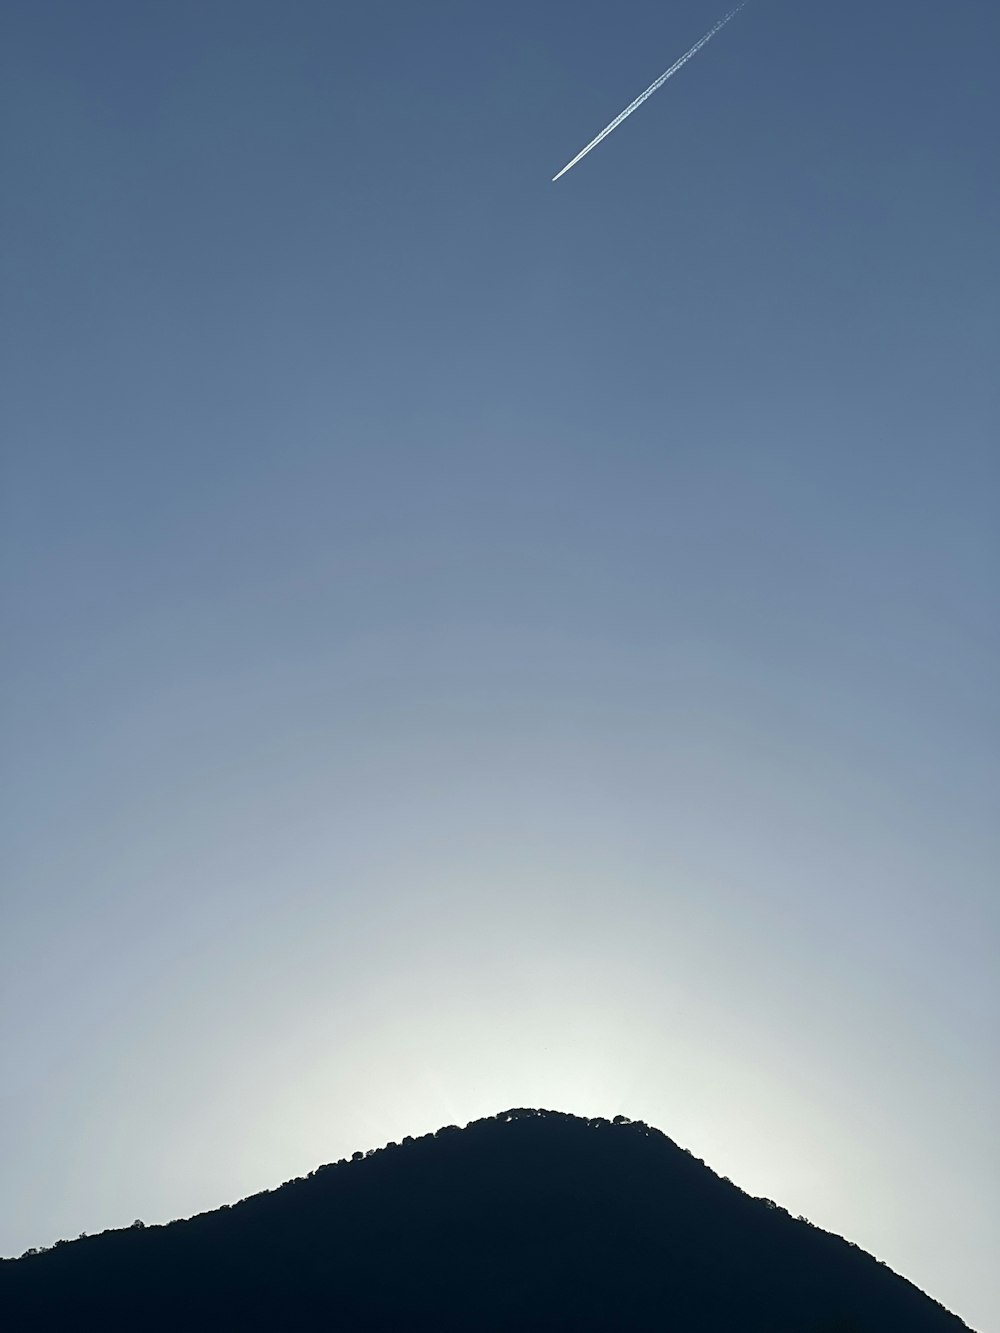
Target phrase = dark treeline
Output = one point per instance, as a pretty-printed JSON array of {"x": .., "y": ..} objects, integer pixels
[{"x": 531, "y": 1220}]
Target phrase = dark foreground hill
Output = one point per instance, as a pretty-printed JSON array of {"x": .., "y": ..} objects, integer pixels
[{"x": 529, "y": 1221}]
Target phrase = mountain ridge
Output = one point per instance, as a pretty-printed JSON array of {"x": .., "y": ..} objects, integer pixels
[{"x": 529, "y": 1219}]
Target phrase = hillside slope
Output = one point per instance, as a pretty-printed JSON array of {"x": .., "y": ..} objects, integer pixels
[{"x": 530, "y": 1220}]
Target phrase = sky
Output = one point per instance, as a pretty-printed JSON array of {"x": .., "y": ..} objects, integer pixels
[{"x": 477, "y": 642}]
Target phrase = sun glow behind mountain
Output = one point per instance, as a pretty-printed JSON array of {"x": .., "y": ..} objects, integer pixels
[{"x": 470, "y": 642}]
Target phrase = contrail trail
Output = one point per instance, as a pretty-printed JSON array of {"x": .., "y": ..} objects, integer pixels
[{"x": 653, "y": 87}]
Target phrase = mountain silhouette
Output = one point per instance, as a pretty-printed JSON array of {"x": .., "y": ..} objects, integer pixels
[{"x": 530, "y": 1220}]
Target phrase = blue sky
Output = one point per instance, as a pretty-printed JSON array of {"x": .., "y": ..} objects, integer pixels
[{"x": 477, "y": 642}]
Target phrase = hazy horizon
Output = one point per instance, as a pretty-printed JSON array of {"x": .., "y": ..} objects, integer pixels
[{"x": 477, "y": 642}]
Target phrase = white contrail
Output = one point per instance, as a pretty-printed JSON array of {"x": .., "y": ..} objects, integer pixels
[{"x": 652, "y": 88}]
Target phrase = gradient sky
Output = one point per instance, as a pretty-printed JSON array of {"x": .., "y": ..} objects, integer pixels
[{"x": 476, "y": 642}]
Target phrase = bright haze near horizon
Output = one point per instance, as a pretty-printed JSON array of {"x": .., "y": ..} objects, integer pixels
[{"x": 475, "y": 642}]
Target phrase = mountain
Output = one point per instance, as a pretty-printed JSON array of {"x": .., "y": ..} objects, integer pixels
[{"x": 531, "y": 1220}]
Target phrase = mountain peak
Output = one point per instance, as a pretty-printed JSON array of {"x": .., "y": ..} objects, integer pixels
[{"x": 529, "y": 1219}]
